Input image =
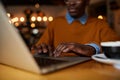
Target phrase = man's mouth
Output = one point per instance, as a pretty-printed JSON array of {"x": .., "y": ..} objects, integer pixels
[{"x": 72, "y": 9}]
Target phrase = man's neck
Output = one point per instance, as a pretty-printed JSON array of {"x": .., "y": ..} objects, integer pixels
[{"x": 78, "y": 16}]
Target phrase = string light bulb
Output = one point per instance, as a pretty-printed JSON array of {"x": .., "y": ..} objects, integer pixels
[
  {"x": 37, "y": 5},
  {"x": 100, "y": 17},
  {"x": 44, "y": 18},
  {"x": 50, "y": 18}
]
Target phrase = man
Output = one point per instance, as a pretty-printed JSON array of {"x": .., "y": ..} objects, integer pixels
[{"x": 76, "y": 33}]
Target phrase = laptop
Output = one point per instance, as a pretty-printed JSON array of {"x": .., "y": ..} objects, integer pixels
[{"x": 15, "y": 53}]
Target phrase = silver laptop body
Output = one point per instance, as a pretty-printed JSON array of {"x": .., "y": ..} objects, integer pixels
[{"x": 15, "y": 53}]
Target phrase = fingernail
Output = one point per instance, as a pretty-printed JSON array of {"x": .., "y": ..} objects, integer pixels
[
  {"x": 45, "y": 51},
  {"x": 39, "y": 51}
]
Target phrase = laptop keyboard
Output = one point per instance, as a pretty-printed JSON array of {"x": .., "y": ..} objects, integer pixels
[{"x": 44, "y": 62}]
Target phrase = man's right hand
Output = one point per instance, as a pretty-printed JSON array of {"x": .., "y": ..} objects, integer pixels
[{"x": 42, "y": 49}]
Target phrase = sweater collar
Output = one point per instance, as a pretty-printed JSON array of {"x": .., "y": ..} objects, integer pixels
[{"x": 82, "y": 19}]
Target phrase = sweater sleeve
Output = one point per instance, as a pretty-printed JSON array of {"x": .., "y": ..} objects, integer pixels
[{"x": 108, "y": 34}]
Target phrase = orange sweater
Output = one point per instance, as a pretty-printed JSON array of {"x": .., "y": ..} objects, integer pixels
[{"x": 94, "y": 31}]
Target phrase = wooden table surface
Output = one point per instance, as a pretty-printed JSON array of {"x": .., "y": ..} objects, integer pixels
[{"x": 90, "y": 70}]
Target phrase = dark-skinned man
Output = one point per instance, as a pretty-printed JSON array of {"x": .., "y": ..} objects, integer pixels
[{"x": 75, "y": 33}]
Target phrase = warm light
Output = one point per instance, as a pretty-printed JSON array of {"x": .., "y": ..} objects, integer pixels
[
  {"x": 15, "y": 20},
  {"x": 45, "y": 18},
  {"x": 32, "y": 25},
  {"x": 8, "y": 14},
  {"x": 100, "y": 17},
  {"x": 12, "y": 20},
  {"x": 22, "y": 19},
  {"x": 35, "y": 31},
  {"x": 33, "y": 18},
  {"x": 39, "y": 19},
  {"x": 37, "y": 5},
  {"x": 50, "y": 18},
  {"x": 16, "y": 24}
]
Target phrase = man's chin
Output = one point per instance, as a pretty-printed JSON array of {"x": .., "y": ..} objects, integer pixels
[{"x": 72, "y": 14}]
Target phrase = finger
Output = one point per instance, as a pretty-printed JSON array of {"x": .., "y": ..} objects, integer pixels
[
  {"x": 59, "y": 50},
  {"x": 69, "y": 47},
  {"x": 56, "y": 51},
  {"x": 39, "y": 49},
  {"x": 66, "y": 50},
  {"x": 50, "y": 51},
  {"x": 33, "y": 49},
  {"x": 44, "y": 48}
]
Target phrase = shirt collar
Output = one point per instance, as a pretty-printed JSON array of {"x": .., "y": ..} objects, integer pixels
[{"x": 82, "y": 19}]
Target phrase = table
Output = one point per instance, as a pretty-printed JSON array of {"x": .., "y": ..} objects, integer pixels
[{"x": 90, "y": 70}]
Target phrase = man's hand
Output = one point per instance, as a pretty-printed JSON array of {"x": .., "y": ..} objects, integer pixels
[
  {"x": 42, "y": 49},
  {"x": 76, "y": 48}
]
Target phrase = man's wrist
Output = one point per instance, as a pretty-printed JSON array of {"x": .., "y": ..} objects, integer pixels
[{"x": 97, "y": 48}]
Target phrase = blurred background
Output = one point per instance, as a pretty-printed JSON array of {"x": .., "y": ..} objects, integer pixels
[{"x": 31, "y": 17}]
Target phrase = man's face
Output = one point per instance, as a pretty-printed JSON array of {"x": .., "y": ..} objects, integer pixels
[{"x": 76, "y": 8}]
